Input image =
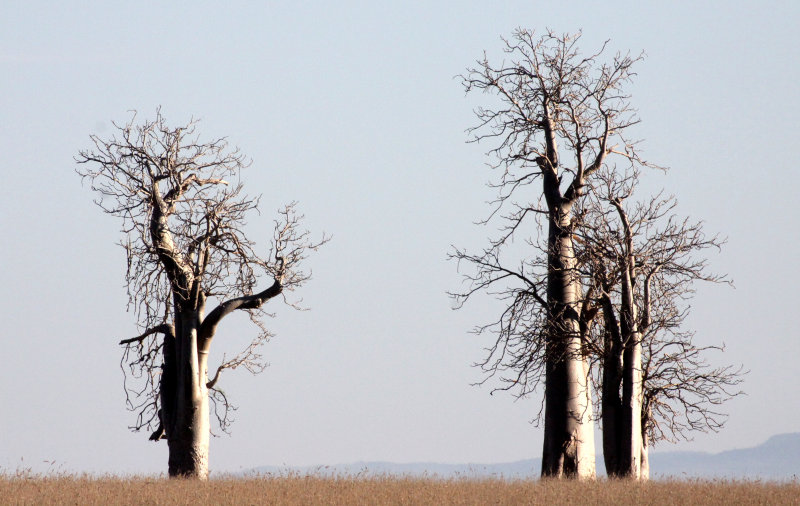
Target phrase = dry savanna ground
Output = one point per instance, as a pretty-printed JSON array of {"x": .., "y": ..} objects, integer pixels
[{"x": 349, "y": 490}]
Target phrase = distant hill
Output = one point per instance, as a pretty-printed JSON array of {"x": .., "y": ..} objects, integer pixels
[{"x": 776, "y": 459}]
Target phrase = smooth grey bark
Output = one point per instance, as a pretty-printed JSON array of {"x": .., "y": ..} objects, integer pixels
[
  {"x": 185, "y": 382},
  {"x": 632, "y": 388},
  {"x": 185, "y": 401},
  {"x": 645, "y": 458},
  {"x": 183, "y": 393},
  {"x": 644, "y": 410},
  {"x": 568, "y": 428},
  {"x": 631, "y": 444}
]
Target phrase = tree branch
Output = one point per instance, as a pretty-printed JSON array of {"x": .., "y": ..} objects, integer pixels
[
  {"x": 164, "y": 328},
  {"x": 209, "y": 326}
]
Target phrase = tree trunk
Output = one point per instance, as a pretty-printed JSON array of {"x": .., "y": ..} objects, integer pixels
[
  {"x": 610, "y": 399},
  {"x": 631, "y": 383},
  {"x": 645, "y": 474},
  {"x": 568, "y": 432},
  {"x": 632, "y": 412},
  {"x": 584, "y": 414},
  {"x": 646, "y": 414},
  {"x": 185, "y": 408}
]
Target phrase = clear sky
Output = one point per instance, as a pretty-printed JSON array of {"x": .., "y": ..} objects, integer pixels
[{"x": 352, "y": 109}]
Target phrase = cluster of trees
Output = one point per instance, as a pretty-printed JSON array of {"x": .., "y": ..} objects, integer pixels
[{"x": 596, "y": 297}]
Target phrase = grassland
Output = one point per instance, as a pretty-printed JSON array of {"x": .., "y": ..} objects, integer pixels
[{"x": 346, "y": 490}]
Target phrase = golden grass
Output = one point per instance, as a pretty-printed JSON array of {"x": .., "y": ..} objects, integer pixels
[{"x": 348, "y": 490}]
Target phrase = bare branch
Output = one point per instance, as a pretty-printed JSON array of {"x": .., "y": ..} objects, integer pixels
[
  {"x": 164, "y": 328},
  {"x": 662, "y": 255},
  {"x": 183, "y": 211}
]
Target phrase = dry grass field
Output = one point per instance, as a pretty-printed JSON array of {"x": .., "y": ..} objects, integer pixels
[{"x": 297, "y": 489}]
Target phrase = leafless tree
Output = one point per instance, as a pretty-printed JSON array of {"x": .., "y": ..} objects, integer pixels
[
  {"x": 183, "y": 212},
  {"x": 557, "y": 117},
  {"x": 682, "y": 389},
  {"x": 640, "y": 263}
]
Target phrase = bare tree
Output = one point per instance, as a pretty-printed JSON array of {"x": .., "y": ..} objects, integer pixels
[
  {"x": 558, "y": 118},
  {"x": 641, "y": 262},
  {"x": 183, "y": 213},
  {"x": 682, "y": 390}
]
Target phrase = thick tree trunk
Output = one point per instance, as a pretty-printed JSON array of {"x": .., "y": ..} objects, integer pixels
[
  {"x": 185, "y": 408},
  {"x": 569, "y": 432}
]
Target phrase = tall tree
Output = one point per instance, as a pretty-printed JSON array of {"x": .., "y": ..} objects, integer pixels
[
  {"x": 183, "y": 213},
  {"x": 559, "y": 117},
  {"x": 641, "y": 262}
]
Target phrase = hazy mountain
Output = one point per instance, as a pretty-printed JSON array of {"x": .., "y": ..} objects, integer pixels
[{"x": 776, "y": 459}]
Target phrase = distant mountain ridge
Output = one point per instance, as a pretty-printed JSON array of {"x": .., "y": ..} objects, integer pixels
[{"x": 776, "y": 459}]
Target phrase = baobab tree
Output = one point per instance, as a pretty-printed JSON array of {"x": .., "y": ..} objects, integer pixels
[
  {"x": 183, "y": 211},
  {"x": 555, "y": 119},
  {"x": 640, "y": 262}
]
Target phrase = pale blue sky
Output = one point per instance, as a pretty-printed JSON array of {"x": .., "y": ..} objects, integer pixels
[{"x": 351, "y": 108}]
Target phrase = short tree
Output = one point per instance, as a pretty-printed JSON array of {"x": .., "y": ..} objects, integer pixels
[
  {"x": 558, "y": 117},
  {"x": 682, "y": 391},
  {"x": 640, "y": 263},
  {"x": 183, "y": 213}
]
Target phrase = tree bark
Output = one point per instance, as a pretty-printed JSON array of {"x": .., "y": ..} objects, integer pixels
[
  {"x": 184, "y": 380},
  {"x": 187, "y": 412},
  {"x": 645, "y": 474},
  {"x": 631, "y": 380},
  {"x": 612, "y": 383},
  {"x": 645, "y": 471},
  {"x": 568, "y": 433}
]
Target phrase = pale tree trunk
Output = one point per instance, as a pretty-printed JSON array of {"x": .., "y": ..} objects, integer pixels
[
  {"x": 645, "y": 474},
  {"x": 646, "y": 409},
  {"x": 585, "y": 419},
  {"x": 187, "y": 415},
  {"x": 645, "y": 454},
  {"x": 632, "y": 402},
  {"x": 631, "y": 381},
  {"x": 184, "y": 381},
  {"x": 569, "y": 432}
]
